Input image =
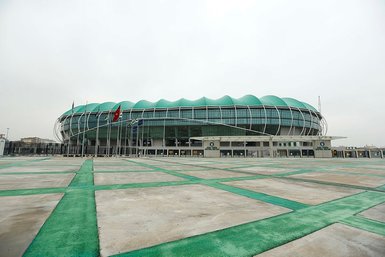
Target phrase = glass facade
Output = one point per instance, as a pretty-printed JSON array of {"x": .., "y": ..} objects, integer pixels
[{"x": 176, "y": 125}]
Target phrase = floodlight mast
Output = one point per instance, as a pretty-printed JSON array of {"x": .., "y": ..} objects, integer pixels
[{"x": 323, "y": 123}]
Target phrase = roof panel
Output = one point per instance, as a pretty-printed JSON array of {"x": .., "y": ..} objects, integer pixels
[
  {"x": 143, "y": 104},
  {"x": 199, "y": 102},
  {"x": 184, "y": 103},
  {"x": 225, "y": 101},
  {"x": 247, "y": 100},
  {"x": 162, "y": 103},
  {"x": 87, "y": 108},
  {"x": 69, "y": 112},
  {"x": 124, "y": 105},
  {"x": 308, "y": 106},
  {"x": 294, "y": 103},
  {"x": 272, "y": 100},
  {"x": 103, "y": 107}
]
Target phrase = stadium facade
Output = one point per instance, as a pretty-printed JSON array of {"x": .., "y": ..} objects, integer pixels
[{"x": 268, "y": 126}]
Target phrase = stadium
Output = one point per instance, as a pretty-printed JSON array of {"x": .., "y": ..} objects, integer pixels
[{"x": 268, "y": 126}]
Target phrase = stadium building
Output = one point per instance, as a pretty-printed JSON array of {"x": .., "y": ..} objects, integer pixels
[{"x": 268, "y": 126}]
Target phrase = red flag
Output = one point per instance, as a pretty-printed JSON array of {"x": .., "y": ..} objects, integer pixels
[{"x": 116, "y": 114}]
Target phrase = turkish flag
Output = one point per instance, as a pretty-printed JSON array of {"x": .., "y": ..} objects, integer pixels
[{"x": 116, "y": 114}]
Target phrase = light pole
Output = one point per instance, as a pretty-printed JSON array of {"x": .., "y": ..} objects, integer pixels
[
  {"x": 119, "y": 134},
  {"x": 6, "y": 138}
]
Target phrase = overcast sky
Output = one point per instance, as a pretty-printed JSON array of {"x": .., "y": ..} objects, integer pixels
[{"x": 55, "y": 52}]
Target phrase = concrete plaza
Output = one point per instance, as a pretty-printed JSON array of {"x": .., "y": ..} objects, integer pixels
[{"x": 191, "y": 207}]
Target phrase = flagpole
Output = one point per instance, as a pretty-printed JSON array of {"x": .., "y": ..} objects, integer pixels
[
  {"x": 137, "y": 139},
  {"x": 116, "y": 117},
  {"x": 117, "y": 141},
  {"x": 120, "y": 135}
]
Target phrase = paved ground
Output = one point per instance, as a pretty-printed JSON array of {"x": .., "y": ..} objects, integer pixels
[{"x": 192, "y": 207}]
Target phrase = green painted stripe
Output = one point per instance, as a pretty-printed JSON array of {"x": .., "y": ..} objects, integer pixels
[
  {"x": 300, "y": 171},
  {"x": 254, "y": 195},
  {"x": 170, "y": 172},
  {"x": 356, "y": 173},
  {"x": 71, "y": 230},
  {"x": 189, "y": 169},
  {"x": 54, "y": 164},
  {"x": 33, "y": 191},
  {"x": 365, "y": 224},
  {"x": 245, "y": 166},
  {"x": 118, "y": 186},
  {"x": 259, "y": 196},
  {"x": 236, "y": 178},
  {"x": 335, "y": 184},
  {"x": 84, "y": 176},
  {"x": 38, "y": 172},
  {"x": 144, "y": 185},
  {"x": 121, "y": 171},
  {"x": 197, "y": 179},
  {"x": 114, "y": 165},
  {"x": 208, "y": 167},
  {"x": 21, "y": 163},
  {"x": 177, "y": 174},
  {"x": 170, "y": 183},
  {"x": 259, "y": 236},
  {"x": 57, "y": 165}
]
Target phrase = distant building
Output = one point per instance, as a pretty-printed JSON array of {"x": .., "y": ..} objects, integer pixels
[
  {"x": 33, "y": 146},
  {"x": 358, "y": 152},
  {"x": 36, "y": 140}
]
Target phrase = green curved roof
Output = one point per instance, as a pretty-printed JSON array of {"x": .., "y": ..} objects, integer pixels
[
  {"x": 103, "y": 107},
  {"x": 184, "y": 102},
  {"x": 143, "y": 104},
  {"x": 162, "y": 103},
  {"x": 82, "y": 108},
  {"x": 308, "y": 106},
  {"x": 294, "y": 103},
  {"x": 200, "y": 102},
  {"x": 272, "y": 100},
  {"x": 125, "y": 105},
  {"x": 226, "y": 100},
  {"x": 247, "y": 100},
  {"x": 69, "y": 112}
]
